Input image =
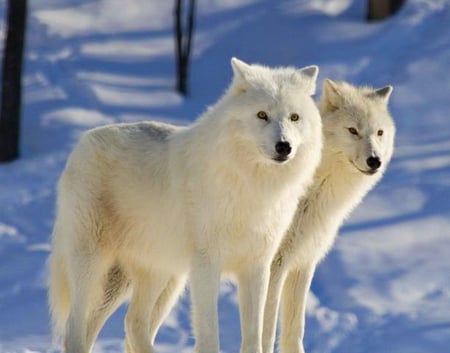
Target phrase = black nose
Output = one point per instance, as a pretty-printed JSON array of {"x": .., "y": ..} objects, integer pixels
[
  {"x": 283, "y": 148},
  {"x": 373, "y": 162}
]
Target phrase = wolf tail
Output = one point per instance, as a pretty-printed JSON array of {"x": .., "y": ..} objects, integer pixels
[{"x": 58, "y": 295}]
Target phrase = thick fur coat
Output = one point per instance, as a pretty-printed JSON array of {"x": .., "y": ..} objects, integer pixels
[{"x": 143, "y": 206}]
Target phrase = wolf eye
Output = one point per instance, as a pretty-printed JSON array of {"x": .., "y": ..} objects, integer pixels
[
  {"x": 262, "y": 115},
  {"x": 294, "y": 117},
  {"x": 353, "y": 131},
  {"x": 380, "y": 132}
]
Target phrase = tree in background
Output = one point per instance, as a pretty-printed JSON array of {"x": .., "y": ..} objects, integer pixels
[
  {"x": 11, "y": 80},
  {"x": 183, "y": 42},
  {"x": 379, "y": 9}
]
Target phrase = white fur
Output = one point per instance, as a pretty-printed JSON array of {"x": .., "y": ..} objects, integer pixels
[
  {"x": 339, "y": 185},
  {"x": 141, "y": 205}
]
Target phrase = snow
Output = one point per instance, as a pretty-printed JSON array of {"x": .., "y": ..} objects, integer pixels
[{"x": 385, "y": 286}]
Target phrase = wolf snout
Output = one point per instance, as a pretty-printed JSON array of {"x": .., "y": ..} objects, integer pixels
[
  {"x": 283, "y": 149},
  {"x": 374, "y": 163}
]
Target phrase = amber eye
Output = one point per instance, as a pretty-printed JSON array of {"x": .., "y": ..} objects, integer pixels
[
  {"x": 262, "y": 115},
  {"x": 380, "y": 132},
  {"x": 294, "y": 117},
  {"x": 353, "y": 131}
]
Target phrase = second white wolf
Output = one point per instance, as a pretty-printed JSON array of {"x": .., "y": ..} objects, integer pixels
[{"x": 358, "y": 145}]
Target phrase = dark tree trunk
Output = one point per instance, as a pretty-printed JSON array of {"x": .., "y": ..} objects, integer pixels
[
  {"x": 380, "y": 9},
  {"x": 11, "y": 84},
  {"x": 183, "y": 42}
]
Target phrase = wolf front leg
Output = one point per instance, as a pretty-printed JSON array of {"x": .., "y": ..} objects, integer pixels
[
  {"x": 253, "y": 285},
  {"x": 205, "y": 279},
  {"x": 277, "y": 278},
  {"x": 293, "y": 307}
]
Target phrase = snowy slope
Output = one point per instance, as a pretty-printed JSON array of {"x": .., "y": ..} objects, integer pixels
[{"x": 385, "y": 288}]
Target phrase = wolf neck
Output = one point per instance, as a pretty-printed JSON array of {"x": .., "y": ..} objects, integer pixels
[{"x": 338, "y": 188}]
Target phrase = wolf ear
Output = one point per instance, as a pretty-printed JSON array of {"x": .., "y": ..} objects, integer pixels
[
  {"x": 310, "y": 73},
  {"x": 240, "y": 68},
  {"x": 383, "y": 93},
  {"x": 331, "y": 95},
  {"x": 241, "y": 71}
]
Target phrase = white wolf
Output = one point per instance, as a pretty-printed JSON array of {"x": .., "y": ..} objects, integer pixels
[
  {"x": 141, "y": 205},
  {"x": 358, "y": 145}
]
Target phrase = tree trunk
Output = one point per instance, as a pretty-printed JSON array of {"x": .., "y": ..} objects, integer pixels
[
  {"x": 183, "y": 43},
  {"x": 380, "y": 9},
  {"x": 11, "y": 80}
]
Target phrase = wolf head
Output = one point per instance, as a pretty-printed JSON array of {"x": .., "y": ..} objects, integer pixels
[
  {"x": 357, "y": 125},
  {"x": 270, "y": 111}
]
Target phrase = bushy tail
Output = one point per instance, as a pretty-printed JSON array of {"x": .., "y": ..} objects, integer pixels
[{"x": 58, "y": 295}]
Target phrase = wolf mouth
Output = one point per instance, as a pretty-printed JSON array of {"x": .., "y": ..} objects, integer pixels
[
  {"x": 366, "y": 172},
  {"x": 280, "y": 159}
]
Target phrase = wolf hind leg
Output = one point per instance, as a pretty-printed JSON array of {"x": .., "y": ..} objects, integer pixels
[
  {"x": 86, "y": 275},
  {"x": 147, "y": 287},
  {"x": 165, "y": 302},
  {"x": 115, "y": 289}
]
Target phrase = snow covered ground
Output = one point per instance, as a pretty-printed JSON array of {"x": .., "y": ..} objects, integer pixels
[{"x": 385, "y": 288}]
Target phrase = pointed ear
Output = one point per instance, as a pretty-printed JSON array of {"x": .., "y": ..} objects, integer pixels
[
  {"x": 310, "y": 73},
  {"x": 240, "y": 68},
  {"x": 331, "y": 87},
  {"x": 331, "y": 95},
  {"x": 383, "y": 93}
]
